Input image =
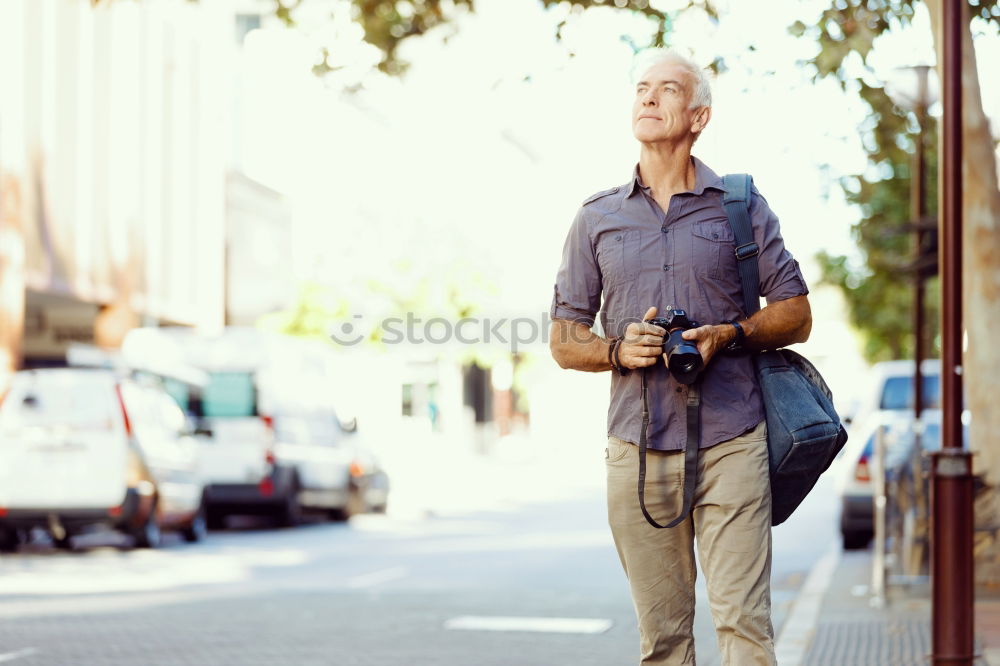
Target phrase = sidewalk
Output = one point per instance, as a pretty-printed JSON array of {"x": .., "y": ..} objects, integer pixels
[{"x": 848, "y": 630}]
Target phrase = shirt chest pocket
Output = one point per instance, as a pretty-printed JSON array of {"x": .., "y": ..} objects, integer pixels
[
  {"x": 709, "y": 242},
  {"x": 618, "y": 256}
]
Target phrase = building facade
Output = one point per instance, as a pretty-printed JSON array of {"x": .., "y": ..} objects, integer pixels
[{"x": 117, "y": 165}]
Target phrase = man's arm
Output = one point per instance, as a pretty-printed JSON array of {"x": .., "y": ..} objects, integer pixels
[
  {"x": 575, "y": 347},
  {"x": 776, "y": 325}
]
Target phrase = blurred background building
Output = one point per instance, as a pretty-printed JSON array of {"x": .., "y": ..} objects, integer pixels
[{"x": 123, "y": 201}]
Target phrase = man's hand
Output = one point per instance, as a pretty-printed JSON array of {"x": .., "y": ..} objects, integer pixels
[
  {"x": 642, "y": 344},
  {"x": 710, "y": 339}
]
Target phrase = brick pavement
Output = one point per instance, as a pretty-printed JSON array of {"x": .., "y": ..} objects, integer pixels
[{"x": 851, "y": 631}]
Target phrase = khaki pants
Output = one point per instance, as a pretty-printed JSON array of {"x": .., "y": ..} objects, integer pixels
[{"x": 731, "y": 521}]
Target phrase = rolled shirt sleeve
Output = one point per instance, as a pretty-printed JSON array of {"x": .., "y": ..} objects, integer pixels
[
  {"x": 780, "y": 276},
  {"x": 577, "y": 295}
]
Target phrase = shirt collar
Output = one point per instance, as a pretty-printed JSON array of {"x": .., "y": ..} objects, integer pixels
[{"x": 704, "y": 178}]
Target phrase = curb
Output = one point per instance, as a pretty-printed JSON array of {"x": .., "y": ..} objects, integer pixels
[{"x": 800, "y": 627}]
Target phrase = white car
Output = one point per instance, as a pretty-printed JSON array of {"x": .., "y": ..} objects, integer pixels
[
  {"x": 338, "y": 473},
  {"x": 87, "y": 448},
  {"x": 889, "y": 389},
  {"x": 887, "y": 405}
]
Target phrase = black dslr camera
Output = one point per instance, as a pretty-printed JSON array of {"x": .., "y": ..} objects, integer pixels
[{"x": 683, "y": 358}]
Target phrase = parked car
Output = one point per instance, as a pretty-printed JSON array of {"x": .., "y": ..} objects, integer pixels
[
  {"x": 88, "y": 448},
  {"x": 890, "y": 389},
  {"x": 263, "y": 448},
  {"x": 339, "y": 474},
  {"x": 887, "y": 404}
]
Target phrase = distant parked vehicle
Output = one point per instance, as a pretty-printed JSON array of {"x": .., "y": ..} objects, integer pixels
[
  {"x": 265, "y": 449},
  {"x": 87, "y": 448},
  {"x": 887, "y": 404},
  {"x": 890, "y": 389},
  {"x": 338, "y": 472}
]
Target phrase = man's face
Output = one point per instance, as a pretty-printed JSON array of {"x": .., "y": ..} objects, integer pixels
[{"x": 660, "y": 110}]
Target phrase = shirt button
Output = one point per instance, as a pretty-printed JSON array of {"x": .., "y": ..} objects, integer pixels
[
  {"x": 666, "y": 267},
  {"x": 618, "y": 237},
  {"x": 663, "y": 228},
  {"x": 715, "y": 236}
]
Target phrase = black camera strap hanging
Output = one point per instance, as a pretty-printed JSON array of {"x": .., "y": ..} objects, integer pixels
[{"x": 690, "y": 452}]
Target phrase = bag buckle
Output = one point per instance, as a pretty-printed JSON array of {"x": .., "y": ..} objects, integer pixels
[{"x": 747, "y": 251}]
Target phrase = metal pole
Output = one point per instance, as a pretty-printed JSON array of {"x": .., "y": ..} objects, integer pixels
[
  {"x": 951, "y": 488},
  {"x": 878, "y": 483},
  {"x": 918, "y": 210}
]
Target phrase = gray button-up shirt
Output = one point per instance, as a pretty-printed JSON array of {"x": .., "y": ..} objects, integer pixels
[{"x": 623, "y": 245}]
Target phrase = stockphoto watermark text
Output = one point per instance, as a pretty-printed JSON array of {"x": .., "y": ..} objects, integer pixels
[{"x": 517, "y": 333}]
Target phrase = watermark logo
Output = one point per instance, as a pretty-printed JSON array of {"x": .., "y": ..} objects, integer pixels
[{"x": 348, "y": 333}]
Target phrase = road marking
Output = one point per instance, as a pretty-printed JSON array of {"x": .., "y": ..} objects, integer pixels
[
  {"x": 560, "y": 625},
  {"x": 800, "y": 626},
  {"x": 377, "y": 577},
  {"x": 521, "y": 542},
  {"x": 11, "y": 656}
]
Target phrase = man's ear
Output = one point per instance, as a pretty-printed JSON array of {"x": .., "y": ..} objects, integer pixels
[{"x": 701, "y": 118}]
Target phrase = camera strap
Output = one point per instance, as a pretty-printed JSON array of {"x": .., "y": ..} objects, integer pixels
[{"x": 690, "y": 453}]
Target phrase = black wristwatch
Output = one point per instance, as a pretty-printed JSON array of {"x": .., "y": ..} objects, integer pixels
[{"x": 737, "y": 344}]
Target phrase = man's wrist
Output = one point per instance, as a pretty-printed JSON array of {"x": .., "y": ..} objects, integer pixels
[
  {"x": 728, "y": 332},
  {"x": 614, "y": 355},
  {"x": 736, "y": 335}
]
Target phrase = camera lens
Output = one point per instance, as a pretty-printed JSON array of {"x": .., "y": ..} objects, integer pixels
[{"x": 683, "y": 358}]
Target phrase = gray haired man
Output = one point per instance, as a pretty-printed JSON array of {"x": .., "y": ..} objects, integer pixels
[{"x": 663, "y": 239}]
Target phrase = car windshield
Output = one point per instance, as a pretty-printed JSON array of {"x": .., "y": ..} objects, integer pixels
[
  {"x": 898, "y": 393},
  {"x": 77, "y": 400}
]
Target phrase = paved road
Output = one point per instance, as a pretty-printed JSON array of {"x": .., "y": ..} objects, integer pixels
[{"x": 382, "y": 590}]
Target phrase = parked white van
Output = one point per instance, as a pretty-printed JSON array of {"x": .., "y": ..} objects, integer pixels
[{"x": 87, "y": 448}]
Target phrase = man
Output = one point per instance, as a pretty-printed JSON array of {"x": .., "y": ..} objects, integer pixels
[{"x": 662, "y": 240}]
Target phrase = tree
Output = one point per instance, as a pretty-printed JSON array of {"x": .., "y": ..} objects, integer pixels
[
  {"x": 879, "y": 293},
  {"x": 388, "y": 23}
]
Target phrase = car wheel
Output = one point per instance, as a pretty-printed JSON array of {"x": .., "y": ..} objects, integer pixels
[
  {"x": 197, "y": 530},
  {"x": 215, "y": 519},
  {"x": 856, "y": 539},
  {"x": 148, "y": 536},
  {"x": 339, "y": 515},
  {"x": 290, "y": 511},
  {"x": 9, "y": 540}
]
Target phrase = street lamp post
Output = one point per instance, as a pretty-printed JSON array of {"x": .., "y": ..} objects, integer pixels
[{"x": 952, "y": 614}]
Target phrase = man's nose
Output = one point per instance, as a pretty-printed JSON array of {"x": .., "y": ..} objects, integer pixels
[{"x": 649, "y": 99}]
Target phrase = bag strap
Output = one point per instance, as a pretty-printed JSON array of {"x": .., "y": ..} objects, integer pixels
[
  {"x": 690, "y": 454},
  {"x": 736, "y": 202}
]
